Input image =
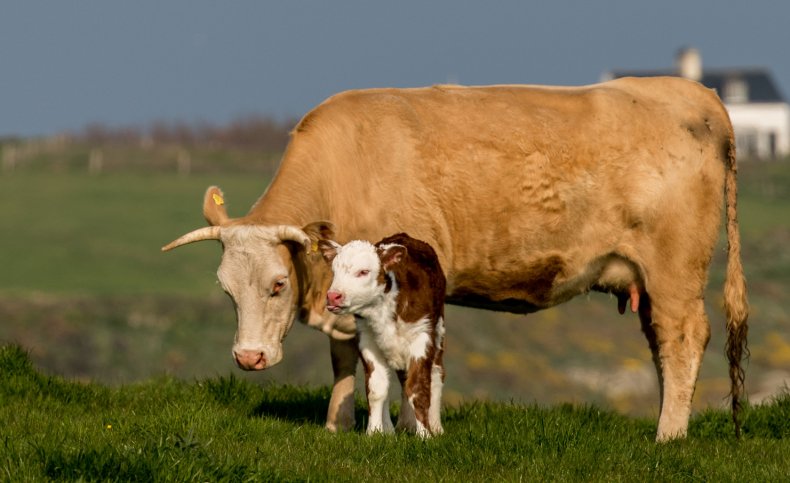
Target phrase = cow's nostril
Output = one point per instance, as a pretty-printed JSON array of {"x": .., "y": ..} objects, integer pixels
[{"x": 250, "y": 360}]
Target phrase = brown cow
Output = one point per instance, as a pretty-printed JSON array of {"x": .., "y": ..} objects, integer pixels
[{"x": 530, "y": 196}]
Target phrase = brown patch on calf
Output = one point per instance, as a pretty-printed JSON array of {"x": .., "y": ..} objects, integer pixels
[
  {"x": 417, "y": 386},
  {"x": 420, "y": 278},
  {"x": 368, "y": 368},
  {"x": 422, "y": 288}
]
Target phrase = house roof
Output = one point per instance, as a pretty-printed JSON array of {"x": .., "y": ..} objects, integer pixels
[{"x": 759, "y": 83}]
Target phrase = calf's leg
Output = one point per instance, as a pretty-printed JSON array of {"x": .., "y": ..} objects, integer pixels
[
  {"x": 377, "y": 375},
  {"x": 406, "y": 421},
  {"x": 418, "y": 393}
]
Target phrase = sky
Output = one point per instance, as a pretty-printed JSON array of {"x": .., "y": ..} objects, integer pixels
[{"x": 67, "y": 64}]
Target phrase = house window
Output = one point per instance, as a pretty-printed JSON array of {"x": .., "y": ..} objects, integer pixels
[
  {"x": 746, "y": 143},
  {"x": 736, "y": 90}
]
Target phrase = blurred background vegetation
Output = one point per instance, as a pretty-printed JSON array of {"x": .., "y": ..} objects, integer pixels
[{"x": 85, "y": 288}]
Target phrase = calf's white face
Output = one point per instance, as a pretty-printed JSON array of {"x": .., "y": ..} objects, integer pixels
[
  {"x": 359, "y": 269},
  {"x": 356, "y": 268}
]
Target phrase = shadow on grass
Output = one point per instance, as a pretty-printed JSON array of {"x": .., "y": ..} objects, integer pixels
[{"x": 302, "y": 406}]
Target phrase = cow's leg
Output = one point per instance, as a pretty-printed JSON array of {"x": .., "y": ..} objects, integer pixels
[
  {"x": 418, "y": 393},
  {"x": 437, "y": 381},
  {"x": 377, "y": 376},
  {"x": 677, "y": 333},
  {"x": 340, "y": 415},
  {"x": 647, "y": 328},
  {"x": 435, "y": 411},
  {"x": 406, "y": 421}
]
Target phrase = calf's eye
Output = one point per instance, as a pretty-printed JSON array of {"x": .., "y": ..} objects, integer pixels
[{"x": 363, "y": 273}]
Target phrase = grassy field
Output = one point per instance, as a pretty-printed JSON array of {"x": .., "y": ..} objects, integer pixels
[
  {"x": 227, "y": 429},
  {"x": 70, "y": 233},
  {"x": 86, "y": 290}
]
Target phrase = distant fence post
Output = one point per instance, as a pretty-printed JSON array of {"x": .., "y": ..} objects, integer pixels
[
  {"x": 184, "y": 162},
  {"x": 95, "y": 161},
  {"x": 9, "y": 158}
]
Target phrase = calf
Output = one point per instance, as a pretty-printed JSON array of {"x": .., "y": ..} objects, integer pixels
[{"x": 395, "y": 290}]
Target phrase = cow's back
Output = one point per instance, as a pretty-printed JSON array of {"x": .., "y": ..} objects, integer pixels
[{"x": 509, "y": 183}]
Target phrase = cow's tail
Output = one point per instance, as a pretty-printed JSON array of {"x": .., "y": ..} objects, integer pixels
[{"x": 736, "y": 306}]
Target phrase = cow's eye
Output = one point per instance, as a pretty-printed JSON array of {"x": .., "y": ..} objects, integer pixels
[
  {"x": 279, "y": 284},
  {"x": 363, "y": 273}
]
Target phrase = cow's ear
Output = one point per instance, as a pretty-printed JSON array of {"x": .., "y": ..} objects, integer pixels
[
  {"x": 391, "y": 255},
  {"x": 214, "y": 207},
  {"x": 317, "y": 231},
  {"x": 320, "y": 230},
  {"x": 328, "y": 249}
]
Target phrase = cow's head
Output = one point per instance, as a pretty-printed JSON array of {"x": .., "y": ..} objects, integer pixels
[
  {"x": 273, "y": 273},
  {"x": 360, "y": 274}
]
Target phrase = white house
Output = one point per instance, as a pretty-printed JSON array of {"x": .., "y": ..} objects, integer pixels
[{"x": 760, "y": 116}]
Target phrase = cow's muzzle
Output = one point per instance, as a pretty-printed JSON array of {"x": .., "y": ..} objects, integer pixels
[{"x": 250, "y": 360}]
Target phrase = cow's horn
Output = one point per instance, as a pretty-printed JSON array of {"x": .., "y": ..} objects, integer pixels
[
  {"x": 291, "y": 233},
  {"x": 205, "y": 233}
]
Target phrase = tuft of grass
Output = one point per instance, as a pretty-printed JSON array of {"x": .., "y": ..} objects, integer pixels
[{"x": 229, "y": 429}]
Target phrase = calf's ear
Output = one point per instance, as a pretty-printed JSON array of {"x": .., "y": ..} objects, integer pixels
[
  {"x": 214, "y": 207},
  {"x": 391, "y": 255}
]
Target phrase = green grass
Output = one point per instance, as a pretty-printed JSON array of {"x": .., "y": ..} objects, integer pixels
[
  {"x": 86, "y": 289},
  {"x": 231, "y": 430},
  {"x": 73, "y": 233}
]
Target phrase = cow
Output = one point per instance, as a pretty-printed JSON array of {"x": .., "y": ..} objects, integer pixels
[
  {"x": 530, "y": 195},
  {"x": 395, "y": 289}
]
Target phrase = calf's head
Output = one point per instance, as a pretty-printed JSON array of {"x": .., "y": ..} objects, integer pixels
[
  {"x": 270, "y": 272},
  {"x": 360, "y": 274}
]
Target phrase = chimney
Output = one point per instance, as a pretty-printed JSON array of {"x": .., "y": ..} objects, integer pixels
[{"x": 689, "y": 63}]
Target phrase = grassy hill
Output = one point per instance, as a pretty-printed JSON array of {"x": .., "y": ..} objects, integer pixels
[
  {"x": 227, "y": 429},
  {"x": 85, "y": 288}
]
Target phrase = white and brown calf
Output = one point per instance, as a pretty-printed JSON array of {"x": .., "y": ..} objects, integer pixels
[{"x": 395, "y": 290}]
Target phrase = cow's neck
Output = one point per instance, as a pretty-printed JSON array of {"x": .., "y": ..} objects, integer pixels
[{"x": 293, "y": 198}]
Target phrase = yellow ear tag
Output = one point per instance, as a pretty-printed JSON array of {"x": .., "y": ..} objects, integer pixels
[
  {"x": 218, "y": 199},
  {"x": 315, "y": 246}
]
